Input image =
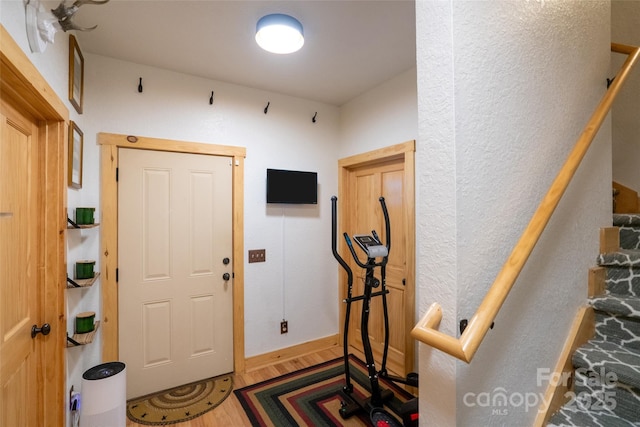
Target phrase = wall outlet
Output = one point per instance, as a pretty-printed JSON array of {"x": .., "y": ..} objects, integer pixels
[
  {"x": 284, "y": 327},
  {"x": 257, "y": 255}
]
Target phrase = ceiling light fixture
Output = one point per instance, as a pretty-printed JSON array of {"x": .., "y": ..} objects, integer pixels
[{"x": 279, "y": 33}]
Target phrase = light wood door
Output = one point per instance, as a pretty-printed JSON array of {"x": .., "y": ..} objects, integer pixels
[
  {"x": 21, "y": 392},
  {"x": 364, "y": 178},
  {"x": 175, "y": 247}
]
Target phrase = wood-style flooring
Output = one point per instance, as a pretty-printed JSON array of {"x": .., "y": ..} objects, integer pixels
[{"x": 230, "y": 413}]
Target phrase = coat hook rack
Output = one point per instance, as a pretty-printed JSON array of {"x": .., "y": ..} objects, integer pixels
[
  {"x": 609, "y": 81},
  {"x": 211, "y": 99},
  {"x": 266, "y": 109},
  {"x": 140, "y": 85},
  {"x": 313, "y": 119}
]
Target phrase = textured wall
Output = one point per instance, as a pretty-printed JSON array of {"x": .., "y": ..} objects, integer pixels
[
  {"x": 436, "y": 205},
  {"x": 626, "y": 110},
  {"x": 504, "y": 90}
]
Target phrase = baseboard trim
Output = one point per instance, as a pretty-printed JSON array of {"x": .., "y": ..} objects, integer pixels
[
  {"x": 288, "y": 353},
  {"x": 582, "y": 330}
]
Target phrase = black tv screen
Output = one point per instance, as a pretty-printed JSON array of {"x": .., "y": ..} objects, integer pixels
[{"x": 294, "y": 187}]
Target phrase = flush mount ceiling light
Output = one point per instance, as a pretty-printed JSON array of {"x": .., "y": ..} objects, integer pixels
[{"x": 279, "y": 33}]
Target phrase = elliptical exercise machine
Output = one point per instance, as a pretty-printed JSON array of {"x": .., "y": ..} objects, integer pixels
[{"x": 377, "y": 256}]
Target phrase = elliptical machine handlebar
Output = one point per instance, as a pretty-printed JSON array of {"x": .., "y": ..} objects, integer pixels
[
  {"x": 334, "y": 240},
  {"x": 387, "y": 224}
]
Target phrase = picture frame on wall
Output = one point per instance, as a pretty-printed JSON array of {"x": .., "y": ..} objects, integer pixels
[
  {"x": 76, "y": 142},
  {"x": 76, "y": 74}
]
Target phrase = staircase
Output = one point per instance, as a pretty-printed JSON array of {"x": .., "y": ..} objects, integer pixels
[{"x": 607, "y": 368}]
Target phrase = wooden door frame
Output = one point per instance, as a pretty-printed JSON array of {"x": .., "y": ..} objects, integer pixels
[
  {"x": 406, "y": 152},
  {"x": 109, "y": 145},
  {"x": 22, "y": 83}
]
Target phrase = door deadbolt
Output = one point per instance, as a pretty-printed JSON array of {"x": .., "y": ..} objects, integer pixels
[{"x": 225, "y": 261}]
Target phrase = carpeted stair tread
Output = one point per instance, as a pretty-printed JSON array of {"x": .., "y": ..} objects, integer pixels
[
  {"x": 617, "y": 305},
  {"x": 621, "y": 258},
  {"x": 629, "y": 225},
  {"x": 626, "y": 219},
  {"x": 575, "y": 415},
  {"x": 598, "y": 400},
  {"x": 623, "y": 281},
  {"x": 606, "y": 388},
  {"x": 606, "y": 394},
  {"x": 620, "y": 330},
  {"x": 615, "y": 361},
  {"x": 629, "y": 237}
]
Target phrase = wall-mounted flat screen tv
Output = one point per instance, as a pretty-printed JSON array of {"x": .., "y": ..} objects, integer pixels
[{"x": 293, "y": 187}]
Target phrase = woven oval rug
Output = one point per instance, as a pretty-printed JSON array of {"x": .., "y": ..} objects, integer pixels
[{"x": 181, "y": 403}]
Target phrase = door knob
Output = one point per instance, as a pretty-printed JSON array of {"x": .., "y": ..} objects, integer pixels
[
  {"x": 226, "y": 276},
  {"x": 44, "y": 330}
]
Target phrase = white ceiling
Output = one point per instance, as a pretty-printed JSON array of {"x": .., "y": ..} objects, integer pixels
[{"x": 350, "y": 46}]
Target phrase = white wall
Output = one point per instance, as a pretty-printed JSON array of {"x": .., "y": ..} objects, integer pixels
[
  {"x": 383, "y": 116},
  {"x": 53, "y": 62},
  {"x": 505, "y": 89},
  {"x": 296, "y": 280},
  {"x": 625, "y": 116}
]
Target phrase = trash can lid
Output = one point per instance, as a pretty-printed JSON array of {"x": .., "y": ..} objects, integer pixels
[{"x": 104, "y": 370}]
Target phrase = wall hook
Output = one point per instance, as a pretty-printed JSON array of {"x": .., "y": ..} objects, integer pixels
[
  {"x": 140, "y": 85},
  {"x": 211, "y": 99},
  {"x": 313, "y": 119},
  {"x": 266, "y": 109},
  {"x": 609, "y": 81}
]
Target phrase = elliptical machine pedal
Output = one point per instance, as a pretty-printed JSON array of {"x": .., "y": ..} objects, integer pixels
[{"x": 381, "y": 418}]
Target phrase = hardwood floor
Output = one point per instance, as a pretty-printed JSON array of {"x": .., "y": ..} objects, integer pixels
[{"x": 230, "y": 413}]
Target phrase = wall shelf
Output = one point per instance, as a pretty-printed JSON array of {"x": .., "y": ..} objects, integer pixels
[
  {"x": 83, "y": 339},
  {"x": 72, "y": 225},
  {"x": 81, "y": 283}
]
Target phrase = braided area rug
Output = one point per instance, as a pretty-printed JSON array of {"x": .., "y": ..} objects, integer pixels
[{"x": 181, "y": 403}]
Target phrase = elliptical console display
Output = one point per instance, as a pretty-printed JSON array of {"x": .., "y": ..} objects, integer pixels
[{"x": 372, "y": 247}]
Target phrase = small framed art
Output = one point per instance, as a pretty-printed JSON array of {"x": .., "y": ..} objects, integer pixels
[
  {"x": 76, "y": 74},
  {"x": 76, "y": 140}
]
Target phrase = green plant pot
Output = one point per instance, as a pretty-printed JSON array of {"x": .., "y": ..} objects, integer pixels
[
  {"x": 85, "y": 322},
  {"x": 84, "y": 269},
  {"x": 84, "y": 216}
]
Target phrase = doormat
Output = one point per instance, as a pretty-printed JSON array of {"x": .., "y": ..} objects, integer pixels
[
  {"x": 181, "y": 403},
  {"x": 312, "y": 397}
]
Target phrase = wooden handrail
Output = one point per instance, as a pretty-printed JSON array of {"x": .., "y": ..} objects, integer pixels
[{"x": 465, "y": 347}]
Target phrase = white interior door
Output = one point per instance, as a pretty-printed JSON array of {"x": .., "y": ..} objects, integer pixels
[{"x": 175, "y": 247}]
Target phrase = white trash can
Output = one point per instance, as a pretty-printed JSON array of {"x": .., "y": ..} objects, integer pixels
[{"x": 104, "y": 396}]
